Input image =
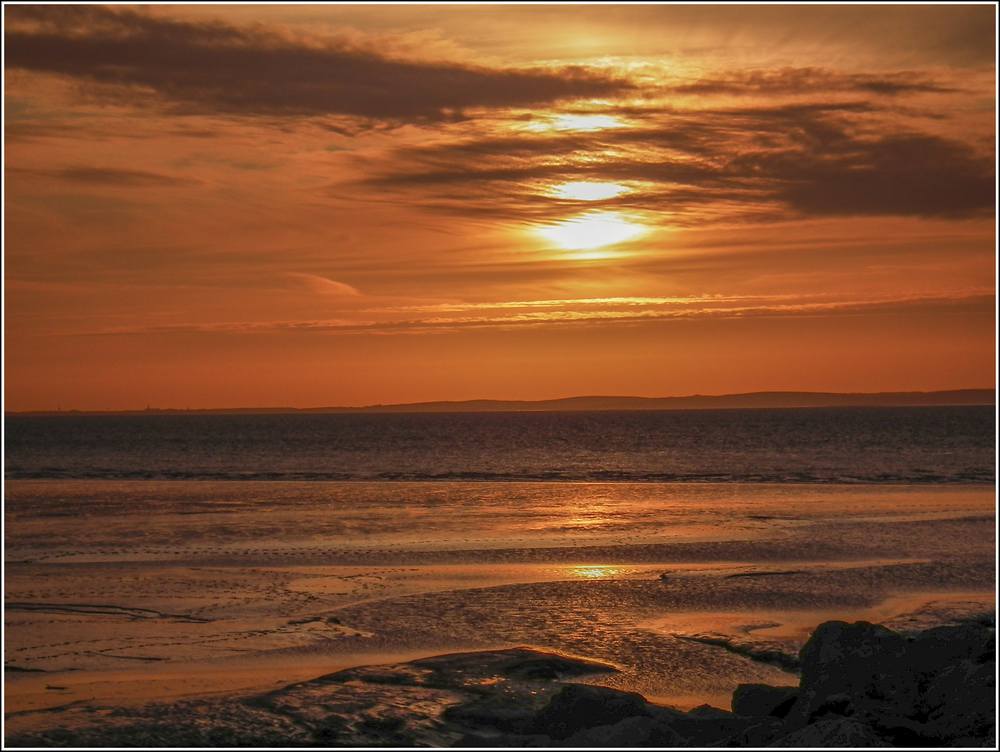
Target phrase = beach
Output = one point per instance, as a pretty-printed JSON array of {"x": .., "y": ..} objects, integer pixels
[{"x": 125, "y": 593}]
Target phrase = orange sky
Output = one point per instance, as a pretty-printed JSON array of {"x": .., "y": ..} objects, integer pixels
[{"x": 335, "y": 205}]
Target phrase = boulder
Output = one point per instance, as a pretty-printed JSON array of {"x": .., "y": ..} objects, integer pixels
[
  {"x": 864, "y": 665},
  {"x": 760, "y": 734},
  {"x": 580, "y": 706},
  {"x": 705, "y": 725},
  {"x": 763, "y": 700},
  {"x": 638, "y": 731},
  {"x": 838, "y": 732},
  {"x": 933, "y": 650},
  {"x": 961, "y": 702},
  {"x": 498, "y": 711},
  {"x": 709, "y": 711}
]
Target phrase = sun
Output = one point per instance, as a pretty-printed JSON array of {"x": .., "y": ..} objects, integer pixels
[
  {"x": 593, "y": 230},
  {"x": 586, "y": 122},
  {"x": 587, "y": 191},
  {"x": 581, "y": 123}
]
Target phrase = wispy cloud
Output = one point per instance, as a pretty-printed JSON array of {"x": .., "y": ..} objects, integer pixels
[
  {"x": 109, "y": 176},
  {"x": 219, "y": 68},
  {"x": 324, "y": 285},
  {"x": 808, "y": 80},
  {"x": 730, "y": 308}
]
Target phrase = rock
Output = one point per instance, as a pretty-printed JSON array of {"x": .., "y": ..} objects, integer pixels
[
  {"x": 541, "y": 666},
  {"x": 862, "y": 661},
  {"x": 504, "y": 741},
  {"x": 581, "y": 706},
  {"x": 839, "y": 704},
  {"x": 933, "y": 650},
  {"x": 839, "y": 732},
  {"x": 496, "y": 711},
  {"x": 760, "y": 734},
  {"x": 708, "y": 711},
  {"x": 638, "y": 731},
  {"x": 763, "y": 700},
  {"x": 705, "y": 725},
  {"x": 961, "y": 702},
  {"x": 906, "y": 732}
]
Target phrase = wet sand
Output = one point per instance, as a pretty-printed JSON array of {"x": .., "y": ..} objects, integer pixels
[{"x": 123, "y": 593}]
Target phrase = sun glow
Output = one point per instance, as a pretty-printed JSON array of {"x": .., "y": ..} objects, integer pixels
[
  {"x": 592, "y": 230},
  {"x": 583, "y": 191},
  {"x": 584, "y": 123}
]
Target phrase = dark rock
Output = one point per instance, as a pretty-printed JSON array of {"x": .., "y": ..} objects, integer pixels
[
  {"x": 760, "y": 734},
  {"x": 496, "y": 711},
  {"x": 840, "y": 704},
  {"x": 961, "y": 702},
  {"x": 504, "y": 741},
  {"x": 935, "y": 649},
  {"x": 638, "y": 731},
  {"x": 906, "y": 732},
  {"x": 839, "y": 732},
  {"x": 706, "y": 725},
  {"x": 763, "y": 700},
  {"x": 709, "y": 711},
  {"x": 550, "y": 668},
  {"x": 862, "y": 661},
  {"x": 581, "y": 706}
]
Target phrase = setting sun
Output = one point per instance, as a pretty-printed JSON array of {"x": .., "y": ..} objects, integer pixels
[
  {"x": 582, "y": 123},
  {"x": 592, "y": 230},
  {"x": 584, "y": 191}
]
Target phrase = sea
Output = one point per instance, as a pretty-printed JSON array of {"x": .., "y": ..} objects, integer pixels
[
  {"x": 179, "y": 561},
  {"x": 836, "y": 445}
]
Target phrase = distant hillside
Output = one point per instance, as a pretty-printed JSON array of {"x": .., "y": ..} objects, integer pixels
[{"x": 693, "y": 402}]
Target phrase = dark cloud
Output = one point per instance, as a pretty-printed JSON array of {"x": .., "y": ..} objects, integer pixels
[
  {"x": 815, "y": 159},
  {"x": 213, "y": 67},
  {"x": 109, "y": 176},
  {"x": 810, "y": 80},
  {"x": 904, "y": 174}
]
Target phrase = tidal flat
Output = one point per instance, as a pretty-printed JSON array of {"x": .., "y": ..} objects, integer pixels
[{"x": 134, "y": 599}]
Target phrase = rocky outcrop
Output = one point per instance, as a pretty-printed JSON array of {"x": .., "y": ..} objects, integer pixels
[
  {"x": 764, "y": 700},
  {"x": 862, "y": 685}
]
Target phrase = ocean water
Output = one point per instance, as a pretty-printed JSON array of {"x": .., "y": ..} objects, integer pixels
[
  {"x": 152, "y": 558},
  {"x": 835, "y": 445}
]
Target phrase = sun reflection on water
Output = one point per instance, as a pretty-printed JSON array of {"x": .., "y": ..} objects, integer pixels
[{"x": 595, "y": 572}]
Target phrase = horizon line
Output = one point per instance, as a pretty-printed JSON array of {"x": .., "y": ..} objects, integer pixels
[{"x": 869, "y": 397}]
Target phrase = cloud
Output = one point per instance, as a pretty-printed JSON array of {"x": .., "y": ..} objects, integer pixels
[
  {"x": 109, "y": 176},
  {"x": 695, "y": 308},
  {"x": 323, "y": 285},
  {"x": 214, "y": 67},
  {"x": 805, "y": 160},
  {"x": 809, "y": 80}
]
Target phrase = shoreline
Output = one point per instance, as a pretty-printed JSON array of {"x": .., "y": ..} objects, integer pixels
[{"x": 943, "y": 692}]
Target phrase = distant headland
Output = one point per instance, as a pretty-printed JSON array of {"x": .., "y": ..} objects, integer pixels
[{"x": 594, "y": 403}]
